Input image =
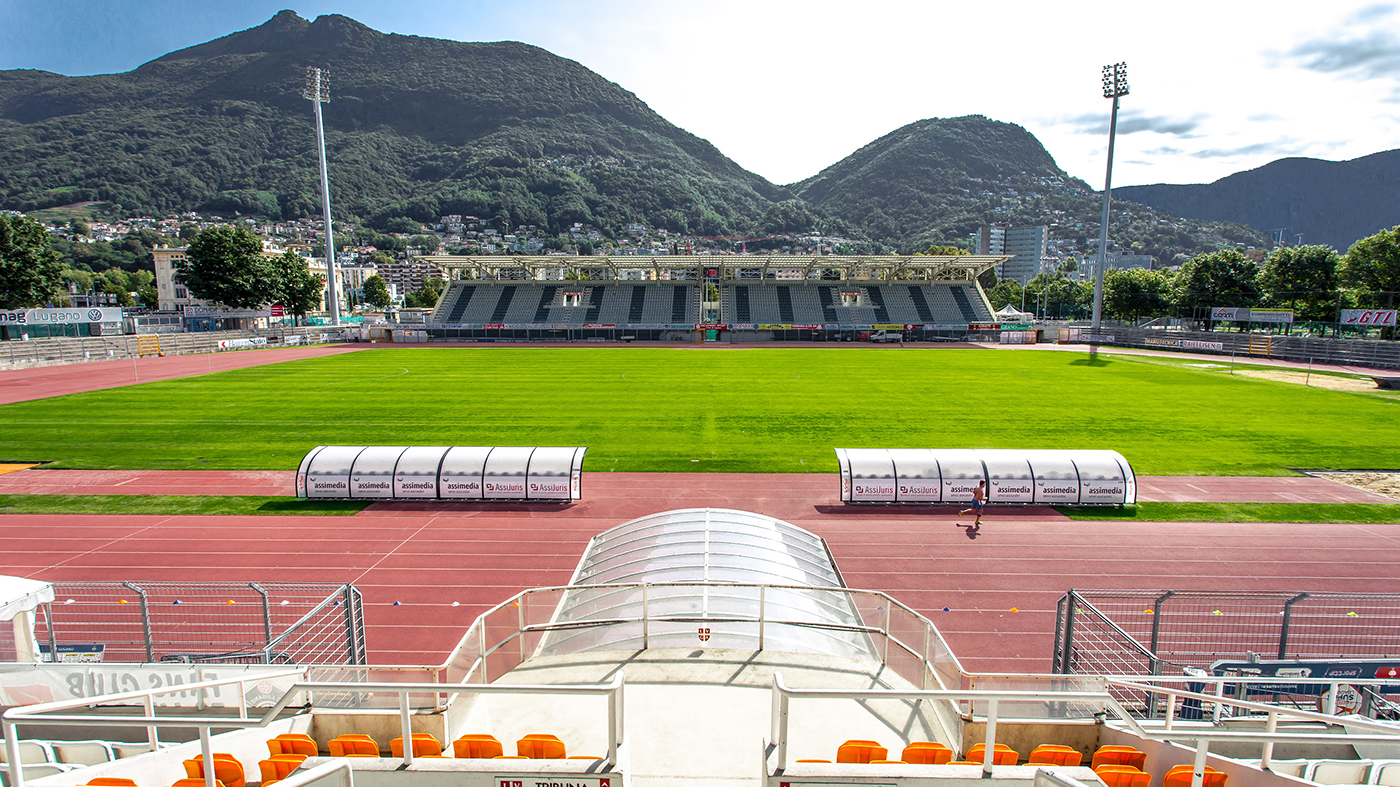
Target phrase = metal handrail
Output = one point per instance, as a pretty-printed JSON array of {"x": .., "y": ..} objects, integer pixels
[
  {"x": 783, "y": 693},
  {"x": 316, "y": 774},
  {"x": 40, "y": 713}
]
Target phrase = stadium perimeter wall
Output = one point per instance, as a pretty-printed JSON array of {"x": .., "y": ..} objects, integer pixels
[{"x": 62, "y": 350}]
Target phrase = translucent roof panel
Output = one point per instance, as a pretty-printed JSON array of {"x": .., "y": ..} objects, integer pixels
[
  {"x": 708, "y": 545},
  {"x": 707, "y": 576}
]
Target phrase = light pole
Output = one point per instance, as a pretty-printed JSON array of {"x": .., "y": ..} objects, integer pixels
[
  {"x": 319, "y": 92},
  {"x": 1115, "y": 85}
]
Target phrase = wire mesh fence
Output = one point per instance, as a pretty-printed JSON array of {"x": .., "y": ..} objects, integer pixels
[
  {"x": 204, "y": 622},
  {"x": 1160, "y": 632}
]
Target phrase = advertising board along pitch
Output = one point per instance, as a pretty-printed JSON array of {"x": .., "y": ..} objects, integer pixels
[
  {"x": 397, "y": 472},
  {"x": 1012, "y": 477}
]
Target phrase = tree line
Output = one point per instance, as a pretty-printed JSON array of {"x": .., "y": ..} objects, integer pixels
[{"x": 1314, "y": 281}]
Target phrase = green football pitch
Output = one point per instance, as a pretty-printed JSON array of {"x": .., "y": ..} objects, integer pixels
[{"x": 682, "y": 409}]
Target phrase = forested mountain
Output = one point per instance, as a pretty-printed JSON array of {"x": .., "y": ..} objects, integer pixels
[
  {"x": 416, "y": 126},
  {"x": 1329, "y": 202},
  {"x": 939, "y": 179},
  {"x": 422, "y": 127}
]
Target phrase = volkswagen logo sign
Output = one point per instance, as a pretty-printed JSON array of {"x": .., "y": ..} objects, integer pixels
[{"x": 95, "y": 315}]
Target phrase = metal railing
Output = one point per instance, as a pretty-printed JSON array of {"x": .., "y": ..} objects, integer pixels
[
  {"x": 1099, "y": 704},
  {"x": 302, "y": 691},
  {"x": 42, "y": 713}
]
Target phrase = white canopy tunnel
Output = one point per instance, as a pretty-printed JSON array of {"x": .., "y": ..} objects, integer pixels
[
  {"x": 735, "y": 577},
  {"x": 950, "y": 475},
  {"x": 19, "y": 598},
  {"x": 441, "y": 472}
]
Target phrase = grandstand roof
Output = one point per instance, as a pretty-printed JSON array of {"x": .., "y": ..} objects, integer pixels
[{"x": 850, "y": 266}]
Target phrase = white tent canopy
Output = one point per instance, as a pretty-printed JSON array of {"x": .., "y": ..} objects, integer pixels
[
  {"x": 19, "y": 598},
  {"x": 1009, "y": 313}
]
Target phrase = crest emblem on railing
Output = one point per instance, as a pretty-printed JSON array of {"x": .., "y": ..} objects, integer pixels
[{"x": 704, "y": 635}]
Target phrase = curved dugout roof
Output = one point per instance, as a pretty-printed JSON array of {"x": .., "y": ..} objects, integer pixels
[
  {"x": 702, "y": 569},
  {"x": 708, "y": 545}
]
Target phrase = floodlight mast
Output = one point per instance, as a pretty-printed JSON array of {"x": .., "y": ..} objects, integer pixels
[
  {"x": 318, "y": 91},
  {"x": 1115, "y": 85}
]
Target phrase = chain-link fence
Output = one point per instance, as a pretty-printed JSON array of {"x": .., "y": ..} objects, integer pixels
[
  {"x": 204, "y": 622},
  {"x": 1162, "y": 632}
]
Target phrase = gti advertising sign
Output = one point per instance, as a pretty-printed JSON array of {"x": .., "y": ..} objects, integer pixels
[
  {"x": 59, "y": 316},
  {"x": 1369, "y": 318}
]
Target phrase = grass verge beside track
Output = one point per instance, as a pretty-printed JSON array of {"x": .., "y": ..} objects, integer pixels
[
  {"x": 1359, "y": 513},
  {"x": 211, "y": 505},
  {"x": 659, "y": 409}
]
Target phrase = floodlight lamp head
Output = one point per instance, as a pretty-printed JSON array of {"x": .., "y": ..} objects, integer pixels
[
  {"x": 318, "y": 87},
  {"x": 1115, "y": 80}
]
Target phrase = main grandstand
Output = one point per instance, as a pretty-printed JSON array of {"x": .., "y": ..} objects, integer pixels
[{"x": 738, "y": 298}]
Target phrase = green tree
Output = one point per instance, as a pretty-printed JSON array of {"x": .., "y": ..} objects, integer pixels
[
  {"x": 122, "y": 294},
  {"x": 1059, "y": 297},
  {"x": 377, "y": 292},
  {"x": 226, "y": 265},
  {"x": 150, "y": 297},
  {"x": 1007, "y": 291},
  {"x": 1304, "y": 279},
  {"x": 1372, "y": 269},
  {"x": 944, "y": 251},
  {"x": 296, "y": 288},
  {"x": 79, "y": 227},
  {"x": 1070, "y": 265},
  {"x": 30, "y": 273},
  {"x": 427, "y": 297},
  {"x": 1135, "y": 293},
  {"x": 1221, "y": 278},
  {"x": 428, "y": 243}
]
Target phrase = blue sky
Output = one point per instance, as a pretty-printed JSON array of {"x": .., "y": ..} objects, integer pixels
[{"x": 786, "y": 88}]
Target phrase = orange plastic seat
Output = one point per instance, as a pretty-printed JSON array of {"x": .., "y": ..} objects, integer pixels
[
  {"x": 814, "y": 761},
  {"x": 888, "y": 762},
  {"x": 111, "y": 781},
  {"x": 424, "y": 745},
  {"x": 1180, "y": 776},
  {"x": 860, "y": 751},
  {"x": 196, "y": 783},
  {"x": 477, "y": 747},
  {"x": 1119, "y": 755},
  {"x": 353, "y": 745},
  {"x": 927, "y": 753},
  {"x": 511, "y": 757},
  {"x": 1001, "y": 755},
  {"x": 962, "y": 762},
  {"x": 540, "y": 747},
  {"x": 226, "y": 769},
  {"x": 1055, "y": 754},
  {"x": 1122, "y": 776},
  {"x": 292, "y": 743},
  {"x": 279, "y": 767}
]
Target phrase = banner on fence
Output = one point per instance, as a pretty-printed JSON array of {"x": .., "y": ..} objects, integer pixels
[
  {"x": 224, "y": 311},
  {"x": 1270, "y": 315},
  {"x": 1192, "y": 344},
  {"x": 230, "y": 344},
  {"x": 1229, "y": 313},
  {"x": 1369, "y": 317},
  {"x": 1098, "y": 338},
  {"x": 59, "y": 316}
]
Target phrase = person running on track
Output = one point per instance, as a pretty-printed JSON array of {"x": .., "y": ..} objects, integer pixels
[{"x": 979, "y": 500}]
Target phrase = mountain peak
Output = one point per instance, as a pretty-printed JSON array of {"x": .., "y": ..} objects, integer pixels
[{"x": 277, "y": 34}]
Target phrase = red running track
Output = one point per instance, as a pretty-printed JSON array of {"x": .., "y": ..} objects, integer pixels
[
  {"x": 22, "y": 385},
  {"x": 427, "y": 555},
  {"x": 1183, "y": 489}
]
